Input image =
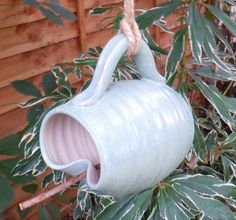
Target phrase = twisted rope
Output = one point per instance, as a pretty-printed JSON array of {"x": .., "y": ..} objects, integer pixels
[{"x": 129, "y": 27}]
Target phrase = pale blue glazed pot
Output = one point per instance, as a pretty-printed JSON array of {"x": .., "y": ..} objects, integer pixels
[{"x": 139, "y": 131}]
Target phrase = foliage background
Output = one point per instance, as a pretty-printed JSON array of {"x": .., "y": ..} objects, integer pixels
[{"x": 203, "y": 186}]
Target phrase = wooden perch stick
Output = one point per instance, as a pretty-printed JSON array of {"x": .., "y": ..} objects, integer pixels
[{"x": 45, "y": 195}]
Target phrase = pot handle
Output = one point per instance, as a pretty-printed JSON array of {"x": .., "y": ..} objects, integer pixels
[{"x": 109, "y": 58}]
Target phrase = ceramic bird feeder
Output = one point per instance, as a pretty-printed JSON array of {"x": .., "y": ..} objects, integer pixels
[{"x": 138, "y": 131}]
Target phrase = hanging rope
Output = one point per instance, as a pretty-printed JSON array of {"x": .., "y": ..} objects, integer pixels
[{"x": 129, "y": 27}]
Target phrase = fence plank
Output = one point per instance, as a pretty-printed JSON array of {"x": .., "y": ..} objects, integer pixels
[
  {"x": 25, "y": 65},
  {"x": 27, "y": 37},
  {"x": 12, "y": 122},
  {"x": 101, "y": 38},
  {"x": 81, "y": 25}
]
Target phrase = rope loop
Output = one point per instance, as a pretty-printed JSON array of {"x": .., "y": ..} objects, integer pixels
[{"x": 129, "y": 27}]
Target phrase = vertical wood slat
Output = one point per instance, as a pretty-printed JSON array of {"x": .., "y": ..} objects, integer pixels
[{"x": 81, "y": 25}]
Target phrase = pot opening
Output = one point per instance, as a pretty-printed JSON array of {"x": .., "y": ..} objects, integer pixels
[{"x": 67, "y": 140}]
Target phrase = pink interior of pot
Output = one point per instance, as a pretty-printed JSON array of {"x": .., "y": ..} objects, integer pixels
[{"x": 67, "y": 140}]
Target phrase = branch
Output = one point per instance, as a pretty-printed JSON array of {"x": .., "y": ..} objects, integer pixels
[{"x": 45, "y": 195}]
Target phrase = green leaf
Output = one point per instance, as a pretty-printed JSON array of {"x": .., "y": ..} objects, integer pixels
[
  {"x": 226, "y": 167},
  {"x": 199, "y": 143},
  {"x": 206, "y": 184},
  {"x": 9, "y": 145},
  {"x": 100, "y": 10},
  {"x": 34, "y": 113},
  {"x": 34, "y": 101},
  {"x": 24, "y": 213},
  {"x": 207, "y": 170},
  {"x": 6, "y": 166},
  {"x": 129, "y": 207},
  {"x": 170, "y": 205},
  {"x": 67, "y": 71},
  {"x": 26, "y": 88},
  {"x": 162, "y": 10},
  {"x": 31, "y": 188},
  {"x": 26, "y": 165},
  {"x": 32, "y": 3},
  {"x": 49, "y": 83},
  {"x": 72, "y": 200},
  {"x": 88, "y": 61},
  {"x": 43, "y": 214},
  {"x": 201, "y": 36},
  {"x": 59, "y": 73},
  {"x": 155, "y": 213},
  {"x": 141, "y": 204},
  {"x": 6, "y": 193},
  {"x": 208, "y": 206},
  {"x": 162, "y": 25},
  {"x": 61, "y": 197},
  {"x": 84, "y": 203},
  {"x": 176, "y": 53},
  {"x": 77, "y": 212},
  {"x": 105, "y": 201},
  {"x": 31, "y": 145},
  {"x": 54, "y": 211},
  {"x": 203, "y": 191},
  {"x": 61, "y": 10},
  {"x": 232, "y": 2},
  {"x": 211, "y": 139},
  {"x": 47, "y": 180},
  {"x": 220, "y": 74},
  {"x": 40, "y": 167},
  {"x": 78, "y": 73},
  {"x": 51, "y": 16},
  {"x": 228, "y": 22},
  {"x": 85, "y": 85},
  {"x": 220, "y": 36},
  {"x": 117, "y": 20},
  {"x": 215, "y": 100},
  {"x": 58, "y": 176},
  {"x": 152, "y": 44},
  {"x": 230, "y": 139},
  {"x": 195, "y": 35},
  {"x": 210, "y": 49},
  {"x": 230, "y": 102}
]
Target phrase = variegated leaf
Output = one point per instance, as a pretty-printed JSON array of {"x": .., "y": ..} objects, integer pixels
[
  {"x": 162, "y": 10},
  {"x": 228, "y": 21},
  {"x": 176, "y": 53},
  {"x": 130, "y": 207},
  {"x": 216, "y": 101},
  {"x": 26, "y": 165},
  {"x": 202, "y": 37}
]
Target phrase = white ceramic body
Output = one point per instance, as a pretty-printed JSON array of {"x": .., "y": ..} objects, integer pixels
[{"x": 141, "y": 129}]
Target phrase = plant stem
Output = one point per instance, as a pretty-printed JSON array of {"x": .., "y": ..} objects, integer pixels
[
  {"x": 45, "y": 195},
  {"x": 228, "y": 87}
]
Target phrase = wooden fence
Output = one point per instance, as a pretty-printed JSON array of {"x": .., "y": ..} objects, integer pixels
[{"x": 30, "y": 46}]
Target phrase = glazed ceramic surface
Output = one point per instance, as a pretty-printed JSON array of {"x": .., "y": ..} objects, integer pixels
[{"x": 139, "y": 131}]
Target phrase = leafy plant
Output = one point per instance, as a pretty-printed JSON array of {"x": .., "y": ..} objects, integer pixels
[{"x": 204, "y": 185}]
